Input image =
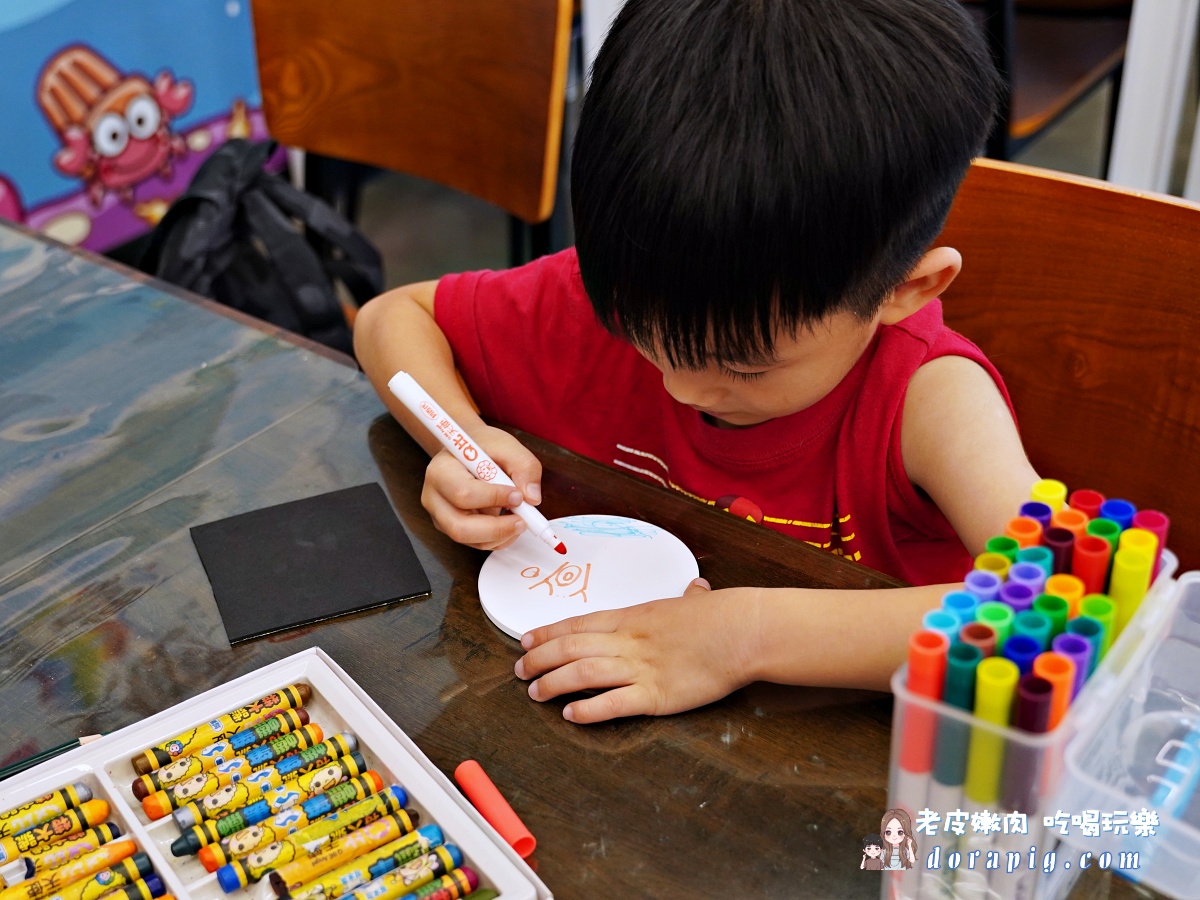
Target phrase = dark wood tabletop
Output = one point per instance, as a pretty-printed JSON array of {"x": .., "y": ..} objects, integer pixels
[{"x": 766, "y": 793}]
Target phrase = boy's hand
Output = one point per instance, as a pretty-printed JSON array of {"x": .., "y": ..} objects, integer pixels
[
  {"x": 467, "y": 509},
  {"x": 655, "y": 658}
]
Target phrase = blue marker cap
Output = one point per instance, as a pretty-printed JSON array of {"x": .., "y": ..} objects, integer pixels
[
  {"x": 1120, "y": 511},
  {"x": 1023, "y": 650},
  {"x": 942, "y": 621},
  {"x": 962, "y": 604}
]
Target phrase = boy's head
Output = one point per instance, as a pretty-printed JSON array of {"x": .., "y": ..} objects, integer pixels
[
  {"x": 746, "y": 170},
  {"x": 873, "y": 846}
]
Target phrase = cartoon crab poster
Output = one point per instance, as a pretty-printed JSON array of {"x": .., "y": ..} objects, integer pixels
[{"x": 121, "y": 104}]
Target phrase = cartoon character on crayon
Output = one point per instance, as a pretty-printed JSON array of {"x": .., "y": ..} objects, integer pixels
[
  {"x": 229, "y": 797},
  {"x": 178, "y": 770},
  {"x": 323, "y": 779},
  {"x": 115, "y": 129},
  {"x": 271, "y": 856},
  {"x": 900, "y": 850},
  {"x": 190, "y": 787},
  {"x": 872, "y": 853},
  {"x": 246, "y": 840}
]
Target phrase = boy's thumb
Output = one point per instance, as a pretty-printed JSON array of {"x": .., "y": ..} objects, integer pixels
[{"x": 698, "y": 584}]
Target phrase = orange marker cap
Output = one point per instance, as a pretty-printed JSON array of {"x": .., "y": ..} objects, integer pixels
[
  {"x": 1070, "y": 587},
  {"x": 1025, "y": 531},
  {"x": 1059, "y": 670},
  {"x": 1073, "y": 520},
  {"x": 494, "y": 808}
]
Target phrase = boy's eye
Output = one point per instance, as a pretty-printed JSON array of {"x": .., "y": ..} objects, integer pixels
[{"x": 742, "y": 376}]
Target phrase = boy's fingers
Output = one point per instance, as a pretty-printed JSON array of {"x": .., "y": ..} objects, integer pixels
[
  {"x": 597, "y": 622},
  {"x": 463, "y": 490},
  {"x": 631, "y": 700},
  {"x": 562, "y": 650},
  {"x": 474, "y": 529},
  {"x": 519, "y": 463},
  {"x": 582, "y": 675}
]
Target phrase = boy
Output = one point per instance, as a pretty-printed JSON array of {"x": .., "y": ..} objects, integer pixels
[{"x": 756, "y": 184}]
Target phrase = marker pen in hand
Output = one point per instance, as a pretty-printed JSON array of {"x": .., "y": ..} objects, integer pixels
[{"x": 466, "y": 451}]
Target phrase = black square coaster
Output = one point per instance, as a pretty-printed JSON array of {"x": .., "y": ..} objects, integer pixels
[{"x": 308, "y": 560}]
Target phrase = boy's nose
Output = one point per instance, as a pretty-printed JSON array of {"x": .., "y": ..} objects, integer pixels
[{"x": 691, "y": 388}]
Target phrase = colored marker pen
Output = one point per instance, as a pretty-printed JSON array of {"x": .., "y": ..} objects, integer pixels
[{"x": 466, "y": 451}]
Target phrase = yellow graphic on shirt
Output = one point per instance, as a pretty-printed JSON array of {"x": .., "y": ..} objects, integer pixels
[{"x": 831, "y": 535}]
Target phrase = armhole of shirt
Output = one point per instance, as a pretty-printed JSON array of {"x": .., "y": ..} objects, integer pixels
[{"x": 462, "y": 316}]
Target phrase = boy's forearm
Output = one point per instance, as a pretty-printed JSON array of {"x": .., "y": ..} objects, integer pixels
[
  {"x": 834, "y": 638},
  {"x": 395, "y": 332}
]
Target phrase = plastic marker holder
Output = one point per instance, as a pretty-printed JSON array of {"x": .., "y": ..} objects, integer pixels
[
  {"x": 466, "y": 451},
  {"x": 492, "y": 806}
]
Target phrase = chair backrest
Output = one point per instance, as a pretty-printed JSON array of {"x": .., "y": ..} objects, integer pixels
[
  {"x": 1086, "y": 297},
  {"x": 467, "y": 93}
]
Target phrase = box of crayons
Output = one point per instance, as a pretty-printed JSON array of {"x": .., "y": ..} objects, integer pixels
[
  {"x": 1053, "y": 623},
  {"x": 288, "y": 783}
]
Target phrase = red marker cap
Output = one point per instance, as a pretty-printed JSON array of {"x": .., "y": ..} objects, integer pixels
[{"x": 493, "y": 807}]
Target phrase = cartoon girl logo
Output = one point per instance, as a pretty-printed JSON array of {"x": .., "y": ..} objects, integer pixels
[
  {"x": 899, "y": 848},
  {"x": 872, "y": 853}
]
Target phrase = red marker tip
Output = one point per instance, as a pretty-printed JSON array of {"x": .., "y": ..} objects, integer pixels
[{"x": 560, "y": 547}]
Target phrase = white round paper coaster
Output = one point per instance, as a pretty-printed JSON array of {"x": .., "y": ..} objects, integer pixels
[{"x": 611, "y": 562}]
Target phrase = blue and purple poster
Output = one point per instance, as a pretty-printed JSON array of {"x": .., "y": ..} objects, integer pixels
[{"x": 109, "y": 108}]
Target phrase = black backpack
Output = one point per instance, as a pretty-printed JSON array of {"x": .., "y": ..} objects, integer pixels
[{"x": 233, "y": 237}]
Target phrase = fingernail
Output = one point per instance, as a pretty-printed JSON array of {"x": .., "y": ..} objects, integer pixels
[
  {"x": 519, "y": 668},
  {"x": 569, "y": 713},
  {"x": 518, "y": 526},
  {"x": 533, "y": 690},
  {"x": 515, "y": 499},
  {"x": 527, "y": 640},
  {"x": 702, "y": 582},
  {"x": 535, "y": 493}
]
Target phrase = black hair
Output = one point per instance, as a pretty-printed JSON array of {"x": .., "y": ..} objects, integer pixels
[
  {"x": 743, "y": 166},
  {"x": 872, "y": 840}
]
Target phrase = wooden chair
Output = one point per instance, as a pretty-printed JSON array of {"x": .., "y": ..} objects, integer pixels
[
  {"x": 1086, "y": 297},
  {"x": 1051, "y": 54},
  {"x": 466, "y": 93}
]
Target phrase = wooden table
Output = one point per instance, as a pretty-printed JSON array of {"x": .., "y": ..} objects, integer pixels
[{"x": 764, "y": 794}]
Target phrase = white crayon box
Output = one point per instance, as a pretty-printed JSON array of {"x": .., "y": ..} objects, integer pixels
[{"x": 337, "y": 704}]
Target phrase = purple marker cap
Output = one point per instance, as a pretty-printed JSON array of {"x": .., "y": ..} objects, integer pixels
[
  {"x": 983, "y": 584},
  {"x": 1018, "y": 596},
  {"x": 1079, "y": 650},
  {"x": 1039, "y": 511},
  {"x": 1032, "y": 712},
  {"x": 1061, "y": 543},
  {"x": 1120, "y": 511},
  {"x": 1029, "y": 574}
]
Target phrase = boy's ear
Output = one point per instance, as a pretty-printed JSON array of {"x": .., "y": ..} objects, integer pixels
[{"x": 928, "y": 279}]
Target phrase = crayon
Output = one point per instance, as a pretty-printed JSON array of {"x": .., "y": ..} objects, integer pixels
[
  {"x": 1031, "y": 575},
  {"x": 1087, "y": 502},
  {"x": 155, "y": 757},
  {"x": 1000, "y": 617},
  {"x": 43, "y": 809},
  {"x": 1055, "y": 610},
  {"x": 1039, "y": 556},
  {"x": 123, "y": 873},
  {"x": 293, "y": 824},
  {"x": 1107, "y": 529},
  {"x": 1089, "y": 562},
  {"x": 1060, "y": 672},
  {"x": 941, "y": 620},
  {"x": 222, "y": 751},
  {"x": 1070, "y": 588},
  {"x": 254, "y": 785},
  {"x": 1035, "y": 510},
  {"x": 977, "y": 634},
  {"x": 1022, "y": 650},
  {"x": 996, "y": 563},
  {"x": 962, "y": 604},
  {"x": 346, "y": 849},
  {"x": 1025, "y": 531},
  {"x": 1119, "y": 511},
  {"x": 1079, "y": 651},
  {"x": 1157, "y": 524},
  {"x": 1049, "y": 491},
  {"x": 39, "y": 838},
  {"x": 62, "y": 853},
  {"x": 430, "y": 871},
  {"x": 1129, "y": 582},
  {"x": 144, "y": 889},
  {"x": 1059, "y": 542},
  {"x": 1016, "y": 595},
  {"x": 1071, "y": 520},
  {"x": 366, "y": 869},
  {"x": 231, "y": 771},
  {"x": 254, "y": 866},
  {"x": 1034, "y": 625},
  {"x": 89, "y": 864},
  {"x": 984, "y": 585},
  {"x": 453, "y": 885},
  {"x": 1004, "y": 545},
  {"x": 1103, "y": 610},
  {"x": 1093, "y": 632}
]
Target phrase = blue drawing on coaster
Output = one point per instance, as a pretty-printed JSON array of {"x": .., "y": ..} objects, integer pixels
[{"x": 608, "y": 526}]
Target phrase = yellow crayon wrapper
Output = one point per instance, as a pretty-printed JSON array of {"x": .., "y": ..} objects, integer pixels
[
  {"x": 137, "y": 890},
  {"x": 74, "y": 847},
  {"x": 339, "y": 852},
  {"x": 401, "y": 881},
  {"x": 43, "y": 809},
  {"x": 290, "y": 697},
  {"x": 48, "y": 883},
  {"x": 995, "y": 684},
  {"x": 344, "y": 880},
  {"x": 43, "y": 836},
  {"x": 104, "y": 882}
]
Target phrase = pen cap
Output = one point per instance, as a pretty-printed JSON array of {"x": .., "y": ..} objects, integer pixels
[
  {"x": 995, "y": 680},
  {"x": 1016, "y": 595},
  {"x": 981, "y": 635},
  {"x": 961, "y": 663},
  {"x": 1069, "y": 587},
  {"x": 1040, "y": 556},
  {"x": 1089, "y": 562},
  {"x": 1158, "y": 524},
  {"x": 983, "y": 584},
  {"x": 1059, "y": 541},
  {"x": 1031, "y": 575},
  {"x": 927, "y": 663},
  {"x": 493, "y": 807},
  {"x": 1032, "y": 712},
  {"x": 1035, "y": 510},
  {"x": 1049, "y": 491},
  {"x": 962, "y": 604},
  {"x": 1025, "y": 531},
  {"x": 1087, "y": 502},
  {"x": 1072, "y": 520},
  {"x": 1120, "y": 511}
]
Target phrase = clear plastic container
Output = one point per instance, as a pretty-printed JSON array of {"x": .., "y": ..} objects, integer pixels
[
  {"x": 337, "y": 704},
  {"x": 1007, "y": 771}
]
